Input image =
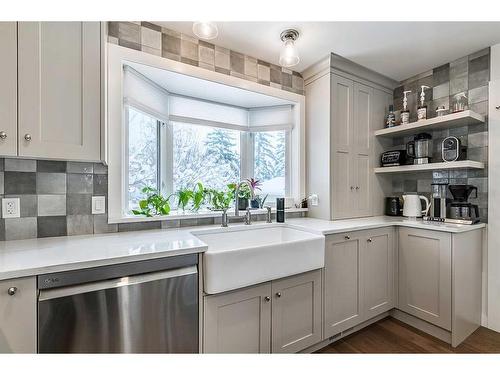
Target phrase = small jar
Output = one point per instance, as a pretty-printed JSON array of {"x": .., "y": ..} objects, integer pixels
[{"x": 441, "y": 111}]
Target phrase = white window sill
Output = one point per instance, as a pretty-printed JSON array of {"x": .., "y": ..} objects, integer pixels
[{"x": 190, "y": 215}]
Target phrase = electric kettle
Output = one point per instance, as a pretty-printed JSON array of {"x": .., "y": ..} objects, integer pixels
[{"x": 413, "y": 207}]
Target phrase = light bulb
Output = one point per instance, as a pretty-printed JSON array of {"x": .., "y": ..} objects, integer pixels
[
  {"x": 205, "y": 30},
  {"x": 289, "y": 55}
]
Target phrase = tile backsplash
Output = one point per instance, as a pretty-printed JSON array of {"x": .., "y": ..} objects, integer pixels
[
  {"x": 468, "y": 75},
  {"x": 56, "y": 200},
  {"x": 154, "y": 39}
]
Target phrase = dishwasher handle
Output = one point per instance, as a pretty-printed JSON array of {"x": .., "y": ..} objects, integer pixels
[{"x": 47, "y": 294}]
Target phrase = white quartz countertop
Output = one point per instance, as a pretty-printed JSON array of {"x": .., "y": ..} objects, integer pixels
[
  {"x": 339, "y": 226},
  {"x": 43, "y": 255}
]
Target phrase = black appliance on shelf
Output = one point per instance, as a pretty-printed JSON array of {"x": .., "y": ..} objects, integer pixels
[
  {"x": 420, "y": 149},
  {"x": 460, "y": 210},
  {"x": 393, "y": 206},
  {"x": 393, "y": 158},
  {"x": 452, "y": 149}
]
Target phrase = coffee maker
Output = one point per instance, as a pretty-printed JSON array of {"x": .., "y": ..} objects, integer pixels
[{"x": 460, "y": 210}]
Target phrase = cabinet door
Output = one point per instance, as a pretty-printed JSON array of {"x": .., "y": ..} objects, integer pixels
[
  {"x": 342, "y": 283},
  {"x": 239, "y": 321},
  {"x": 343, "y": 186},
  {"x": 378, "y": 272},
  {"x": 361, "y": 199},
  {"x": 18, "y": 315},
  {"x": 8, "y": 89},
  {"x": 425, "y": 275},
  {"x": 59, "y": 90},
  {"x": 296, "y": 312},
  {"x": 361, "y": 132},
  {"x": 342, "y": 113}
]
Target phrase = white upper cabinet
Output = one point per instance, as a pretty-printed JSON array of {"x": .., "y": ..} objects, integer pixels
[
  {"x": 8, "y": 89},
  {"x": 59, "y": 90}
]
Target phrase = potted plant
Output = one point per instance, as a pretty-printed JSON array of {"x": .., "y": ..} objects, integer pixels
[
  {"x": 198, "y": 196},
  {"x": 255, "y": 185},
  {"x": 244, "y": 195},
  {"x": 153, "y": 204}
]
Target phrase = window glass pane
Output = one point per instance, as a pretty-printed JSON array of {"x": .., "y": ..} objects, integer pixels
[
  {"x": 205, "y": 154},
  {"x": 269, "y": 165},
  {"x": 142, "y": 154}
]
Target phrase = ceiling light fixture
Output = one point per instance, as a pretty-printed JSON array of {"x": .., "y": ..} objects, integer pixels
[
  {"x": 289, "y": 55},
  {"x": 205, "y": 30}
]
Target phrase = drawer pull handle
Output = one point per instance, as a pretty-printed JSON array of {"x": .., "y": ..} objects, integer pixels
[
  {"x": 3, "y": 135},
  {"x": 497, "y": 107},
  {"x": 278, "y": 295},
  {"x": 11, "y": 291},
  {"x": 27, "y": 137},
  {"x": 267, "y": 298},
  {"x": 347, "y": 237},
  {"x": 369, "y": 240}
]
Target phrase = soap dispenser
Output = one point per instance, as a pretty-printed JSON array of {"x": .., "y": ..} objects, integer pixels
[
  {"x": 422, "y": 108},
  {"x": 405, "y": 113}
]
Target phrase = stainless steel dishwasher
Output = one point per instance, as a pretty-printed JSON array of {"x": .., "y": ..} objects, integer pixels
[{"x": 140, "y": 307}]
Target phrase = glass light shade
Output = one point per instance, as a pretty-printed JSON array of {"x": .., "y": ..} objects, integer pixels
[
  {"x": 289, "y": 55},
  {"x": 205, "y": 30}
]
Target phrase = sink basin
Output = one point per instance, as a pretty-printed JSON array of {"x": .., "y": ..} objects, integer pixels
[{"x": 243, "y": 256}]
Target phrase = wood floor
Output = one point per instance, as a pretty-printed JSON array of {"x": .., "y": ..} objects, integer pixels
[{"x": 392, "y": 336}]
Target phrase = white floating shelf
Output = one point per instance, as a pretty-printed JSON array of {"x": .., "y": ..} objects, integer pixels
[
  {"x": 453, "y": 120},
  {"x": 461, "y": 164}
]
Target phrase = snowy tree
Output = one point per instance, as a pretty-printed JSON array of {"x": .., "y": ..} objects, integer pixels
[
  {"x": 264, "y": 155},
  {"x": 220, "y": 149}
]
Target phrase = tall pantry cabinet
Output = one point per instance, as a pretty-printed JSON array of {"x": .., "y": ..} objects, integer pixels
[
  {"x": 51, "y": 100},
  {"x": 345, "y": 104}
]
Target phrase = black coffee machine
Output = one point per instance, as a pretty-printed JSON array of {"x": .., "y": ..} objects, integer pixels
[{"x": 460, "y": 210}]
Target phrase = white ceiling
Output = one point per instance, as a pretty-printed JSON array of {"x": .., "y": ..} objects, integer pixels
[
  {"x": 199, "y": 88},
  {"x": 398, "y": 50}
]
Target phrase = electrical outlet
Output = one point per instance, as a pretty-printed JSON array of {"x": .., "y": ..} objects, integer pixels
[
  {"x": 314, "y": 200},
  {"x": 98, "y": 205},
  {"x": 11, "y": 207}
]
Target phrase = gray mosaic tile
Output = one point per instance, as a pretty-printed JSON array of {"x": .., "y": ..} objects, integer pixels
[
  {"x": 168, "y": 224},
  {"x": 479, "y": 94},
  {"x": 478, "y": 154},
  {"x": 151, "y": 26},
  {"x": 189, "y": 50},
  {"x": 100, "y": 184},
  {"x": 19, "y": 182},
  {"x": 206, "y": 54},
  {"x": 459, "y": 84},
  {"x": 286, "y": 79},
  {"x": 275, "y": 75},
  {"x": 222, "y": 60},
  {"x": 441, "y": 74},
  {"x": 79, "y": 224},
  {"x": 79, "y": 183},
  {"x": 237, "y": 62},
  {"x": 129, "y": 32},
  {"x": 114, "y": 29},
  {"x": 2, "y": 165},
  {"x": 51, "y": 183},
  {"x": 51, "y": 205},
  {"x": 101, "y": 225},
  {"x": 1, "y": 183},
  {"x": 51, "y": 226},
  {"x": 127, "y": 44},
  {"x": 441, "y": 91},
  {"x": 78, "y": 167},
  {"x": 150, "y": 38},
  {"x": 170, "y": 44},
  {"x": 100, "y": 168},
  {"x": 479, "y": 79},
  {"x": 189, "y": 222},
  {"x": 79, "y": 204},
  {"x": 263, "y": 72},
  {"x": 20, "y": 228},
  {"x": 127, "y": 227},
  {"x": 51, "y": 166},
  {"x": 250, "y": 66},
  {"x": 185, "y": 60},
  {"x": 479, "y": 63},
  {"x": 20, "y": 165},
  {"x": 478, "y": 139}
]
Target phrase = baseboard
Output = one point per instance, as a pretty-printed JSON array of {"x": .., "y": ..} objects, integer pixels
[
  {"x": 343, "y": 334},
  {"x": 422, "y": 325}
]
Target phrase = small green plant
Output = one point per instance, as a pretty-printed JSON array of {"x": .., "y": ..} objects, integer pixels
[
  {"x": 220, "y": 200},
  {"x": 199, "y": 196},
  {"x": 183, "y": 198},
  {"x": 244, "y": 193},
  {"x": 154, "y": 204}
]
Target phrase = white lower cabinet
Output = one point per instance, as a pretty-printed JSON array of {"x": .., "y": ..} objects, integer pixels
[
  {"x": 425, "y": 275},
  {"x": 18, "y": 315},
  {"x": 358, "y": 278},
  {"x": 282, "y": 316}
]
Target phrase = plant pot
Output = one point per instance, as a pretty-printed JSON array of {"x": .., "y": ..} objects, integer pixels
[
  {"x": 242, "y": 204},
  {"x": 255, "y": 203}
]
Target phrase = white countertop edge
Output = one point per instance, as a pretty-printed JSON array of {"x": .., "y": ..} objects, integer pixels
[{"x": 189, "y": 215}]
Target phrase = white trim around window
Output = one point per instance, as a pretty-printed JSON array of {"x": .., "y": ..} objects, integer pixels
[{"x": 116, "y": 127}]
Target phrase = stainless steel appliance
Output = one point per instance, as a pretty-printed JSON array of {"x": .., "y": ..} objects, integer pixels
[
  {"x": 460, "y": 208},
  {"x": 420, "y": 149},
  {"x": 438, "y": 200},
  {"x": 452, "y": 149},
  {"x": 393, "y": 158},
  {"x": 141, "y": 307},
  {"x": 393, "y": 206}
]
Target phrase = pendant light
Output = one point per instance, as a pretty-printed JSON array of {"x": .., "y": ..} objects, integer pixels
[
  {"x": 289, "y": 55},
  {"x": 205, "y": 30}
]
